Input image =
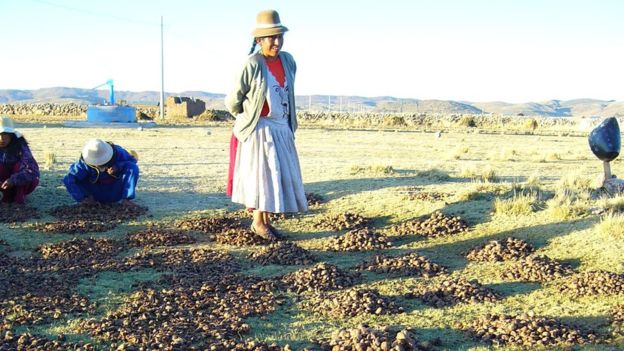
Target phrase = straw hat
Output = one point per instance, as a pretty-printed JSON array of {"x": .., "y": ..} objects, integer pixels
[
  {"x": 268, "y": 24},
  {"x": 7, "y": 126},
  {"x": 97, "y": 152}
]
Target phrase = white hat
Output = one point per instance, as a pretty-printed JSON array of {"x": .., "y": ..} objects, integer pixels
[
  {"x": 7, "y": 126},
  {"x": 97, "y": 152}
]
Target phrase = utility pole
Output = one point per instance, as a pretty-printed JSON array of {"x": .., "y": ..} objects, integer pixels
[
  {"x": 162, "y": 72},
  {"x": 329, "y": 103},
  {"x": 310, "y": 103},
  {"x": 340, "y": 109}
]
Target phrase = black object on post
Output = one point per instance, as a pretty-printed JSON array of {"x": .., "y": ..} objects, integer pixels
[{"x": 605, "y": 141}]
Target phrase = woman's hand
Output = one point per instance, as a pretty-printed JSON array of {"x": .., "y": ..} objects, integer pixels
[
  {"x": 112, "y": 170},
  {"x": 7, "y": 184}
]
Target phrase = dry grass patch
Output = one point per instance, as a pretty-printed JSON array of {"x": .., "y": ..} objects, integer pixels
[
  {"x": 374, "y": 169},
  {"x": 518, "y": 205},
  {"x": 503, "y": 155},
  {"x": 434, "y": 174},
  {"x": 484, "y": 174},
  {"x": 611, "y": 226}
]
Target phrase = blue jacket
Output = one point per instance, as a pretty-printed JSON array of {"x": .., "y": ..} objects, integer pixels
[{"x": 84, "y": 180}]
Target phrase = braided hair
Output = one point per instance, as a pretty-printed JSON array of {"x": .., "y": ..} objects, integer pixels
[
  {"x": 14, "y": 148},
  {"x": 253, "y": 46}
]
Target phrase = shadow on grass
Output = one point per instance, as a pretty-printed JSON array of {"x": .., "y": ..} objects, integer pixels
[
  {"x": 508, "y": 289},
  {"x": 334, "y": 189}
]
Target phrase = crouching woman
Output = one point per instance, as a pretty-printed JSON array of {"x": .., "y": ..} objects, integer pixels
[
  {"x": 105, "y": 173},
  {"x": 19, "y": 172}
]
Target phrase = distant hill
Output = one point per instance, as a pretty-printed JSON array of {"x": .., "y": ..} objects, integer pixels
[{"x": 380, "y": 104}]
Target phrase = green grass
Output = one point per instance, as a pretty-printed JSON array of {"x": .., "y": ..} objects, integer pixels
[{"x": 540, "y": 202}]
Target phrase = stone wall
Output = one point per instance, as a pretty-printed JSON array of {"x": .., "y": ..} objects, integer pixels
[{"x": 181, "y": 106}]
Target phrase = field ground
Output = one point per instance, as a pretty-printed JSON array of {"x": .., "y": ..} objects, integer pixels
[{"x": 183, "y": 171}]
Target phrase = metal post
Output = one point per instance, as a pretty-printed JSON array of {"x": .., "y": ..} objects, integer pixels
[{"x": 162, "y": 72}]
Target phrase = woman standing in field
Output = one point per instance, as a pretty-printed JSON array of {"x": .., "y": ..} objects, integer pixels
[
  {"x": 19, "y": 172},
  {"x": 264, "y": 167}
]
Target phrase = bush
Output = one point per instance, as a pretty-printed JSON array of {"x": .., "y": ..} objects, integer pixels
[
  {"x": 530, "y": 124},
  {"x": 467, "y": 121},
  {"x": 394, "y": 121}
]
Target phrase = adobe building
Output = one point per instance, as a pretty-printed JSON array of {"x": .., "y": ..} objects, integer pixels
[{"x": 181, "y": 106}]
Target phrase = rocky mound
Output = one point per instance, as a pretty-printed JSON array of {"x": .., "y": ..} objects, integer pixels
[
  {"x": 537, "y": 269},
  {"x": 284, "y": 253},
  {"x": 153, "y": 237},
  {"x": 527, "y": 331},
  {"x": 362, "y": 239},
  {"x": 351, "y": 303},
  {"x": 14, "y": 214},
  {"x": 438, "y": 224},
  {"x": 341, "y": 221},
  {"x": 369, "y": 339},
  {"x": 98, "y": 212},
  {"x": 321, "y": 277},
  {"x": 500, "y": 250},
  {"x": 74, "y": 227},
  {"x": 451, "y": 292},
  {"x": 593, "y": 283},
  {"x": 410, "y": 264}
]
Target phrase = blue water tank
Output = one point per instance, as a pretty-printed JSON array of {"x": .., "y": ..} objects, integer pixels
[{"x": 111, "y": 113}]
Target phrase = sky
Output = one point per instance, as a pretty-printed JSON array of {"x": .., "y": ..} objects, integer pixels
[{"x": 464, "y": 50}]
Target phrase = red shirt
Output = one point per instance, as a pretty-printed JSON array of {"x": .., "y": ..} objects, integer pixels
[{"x": 276, "y": 68}]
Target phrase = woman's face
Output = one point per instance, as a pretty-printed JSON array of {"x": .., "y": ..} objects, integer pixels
[
  {"x": 5, "y": 139},
  {"x": 271, "y": 46}
]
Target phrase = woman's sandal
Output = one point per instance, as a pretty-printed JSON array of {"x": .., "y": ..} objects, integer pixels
[
  {"x": 268, "y": 235},
  {"x": 275, "y": 232}
]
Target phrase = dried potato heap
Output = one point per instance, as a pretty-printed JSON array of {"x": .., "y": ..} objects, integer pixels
[
  {"x": 77, "y": 226},
  {"x": 617, "y": 320},
  {"x": 284, "y": 253},
  {"x": 453, "y": 291},
  {"x": 369, "y": 339},
  {"x": 410, "y": 264},
  {"x": 527, "y": 331},
  {"x": 15, "y": 214},
  {"x": 351, "y": 303},
  {"x": 438, "y": 224},
  {"x": 98, "y": 212},
  {"x": 210, "y": 225},
  {"x": 500, "y": 250},
  {"x": 153, "y": 237},
  {"x": 177, "y": 313},
  {"x": 593, "y": 283},
  {"x": 34, "y": 342},
  {"x": 363, "y": 239},
  {"x": 536, "y": 269},
  {"x": 321, "y": 277},
  {"x": 341, "y": 221}
]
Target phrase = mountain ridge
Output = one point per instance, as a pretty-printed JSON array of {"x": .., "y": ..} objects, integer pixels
[{"x": 379, "y": 104}]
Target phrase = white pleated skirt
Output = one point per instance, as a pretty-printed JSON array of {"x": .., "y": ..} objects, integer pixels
[{"x": 267, "y": 175}]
